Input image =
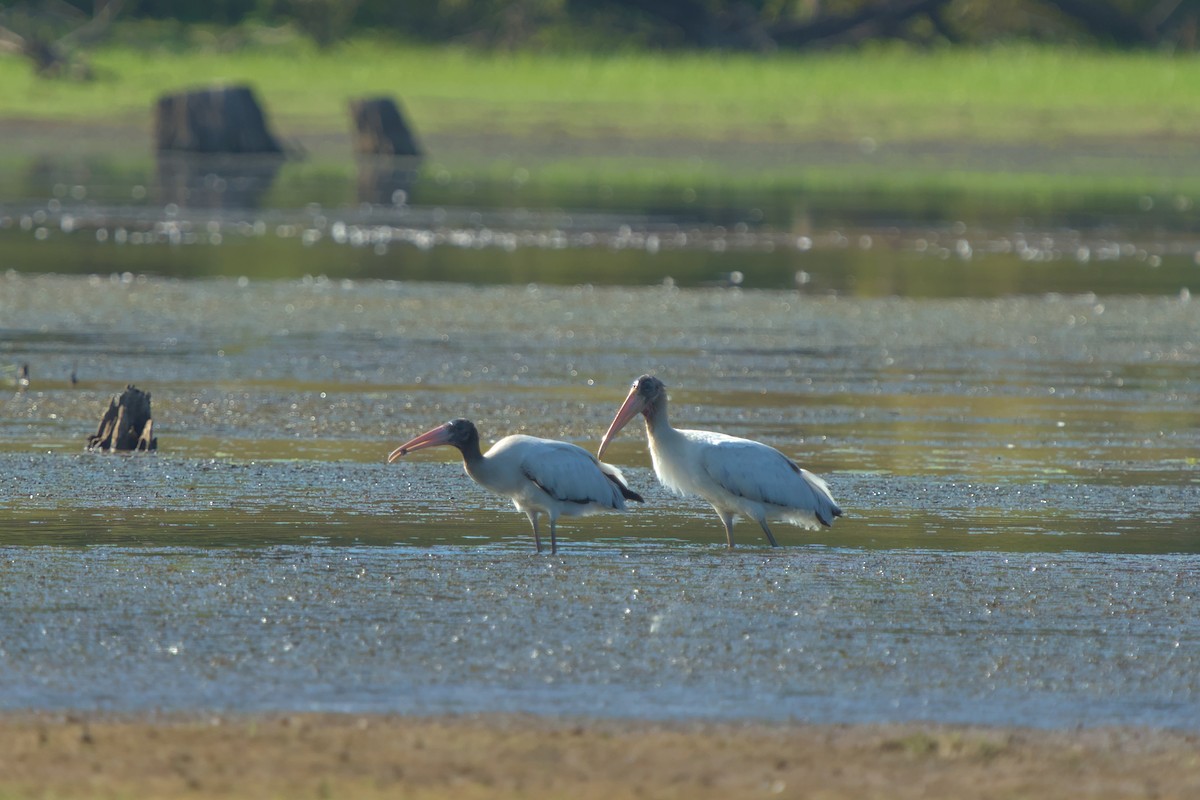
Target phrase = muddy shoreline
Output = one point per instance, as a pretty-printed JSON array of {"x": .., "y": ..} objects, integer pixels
[{"x": 331, "y": 755}]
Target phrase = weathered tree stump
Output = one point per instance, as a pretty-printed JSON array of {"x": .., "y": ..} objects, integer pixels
[
  {"x": 380, "y": 129},
  {"x": 127, "y": 424},
  {"x": 224, "y": 119}
]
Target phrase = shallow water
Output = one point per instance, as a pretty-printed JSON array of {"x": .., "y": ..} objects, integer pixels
[
  {"x": 1005, "y": 403},
  {"x": 86, "y": 203},
  {"x": 1020, "y": 476},
  {"x": 664, "y": 629}
]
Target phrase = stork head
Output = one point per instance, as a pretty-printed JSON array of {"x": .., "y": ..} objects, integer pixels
[
  {"x": 646, "y": 397},
  {"x": 458, "y": 433}
]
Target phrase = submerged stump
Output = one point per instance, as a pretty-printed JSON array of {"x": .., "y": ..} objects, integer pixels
[
  {"x": 223, "y": 119},
  {"x": 127, "y": 424},
  {"x": 380, "y": 129}
]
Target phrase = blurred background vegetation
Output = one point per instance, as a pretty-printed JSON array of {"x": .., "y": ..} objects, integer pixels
[
  {"x": 1065, "y": 110},
  {"x": 755, "y": 25},
  {"x": 47, "y": 31}
]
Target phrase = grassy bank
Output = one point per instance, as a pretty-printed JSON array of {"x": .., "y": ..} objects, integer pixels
[
  {"x": 1015, "y": 127},
  {"x": 1006, "y": 94}
]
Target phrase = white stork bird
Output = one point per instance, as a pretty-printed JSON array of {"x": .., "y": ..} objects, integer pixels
[
  {"x": 540, "y": 476},
  {"x": 737, "y": 476}
]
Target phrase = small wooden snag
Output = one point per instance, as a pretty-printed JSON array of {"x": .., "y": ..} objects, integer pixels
[
  {"x": 380, "y": 129},
  {"x": 126, "y": 424},
  {"x": 223, "y": 119}
]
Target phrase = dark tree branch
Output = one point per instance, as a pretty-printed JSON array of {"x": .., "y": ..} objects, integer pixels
[
  {"x": 881, "y": 18},
  {"x": 51, "y": 54},
  {"x": 691, "y": 19},
  {"x": 741, "y": 25},
  {"x": 95, "y": 28},
  {"x": 1104, "y": 21},
  {"x": 938, "y": 17}
]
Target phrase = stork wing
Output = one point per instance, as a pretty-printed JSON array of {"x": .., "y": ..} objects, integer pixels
[
  {"x": 569, "y": 474},
  {"x": 763, "y": 474}
]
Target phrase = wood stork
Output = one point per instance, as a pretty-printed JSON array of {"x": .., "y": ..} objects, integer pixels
[
  {"x": 540, "y": 476},
  {"x": 737, "y": 476}
]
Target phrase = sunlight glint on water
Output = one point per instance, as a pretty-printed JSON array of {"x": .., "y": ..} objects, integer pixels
[{"x": 1019, "y": 475}]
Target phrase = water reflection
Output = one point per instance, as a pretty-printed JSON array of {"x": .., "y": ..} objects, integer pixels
[
  {"x": 414, "y": 245},
  {"x": 202, "y": 182},
  {"x": 1049, "y": 421},
  {"x": 401, "y": 219},
  {"x": 386, "y": 181}
]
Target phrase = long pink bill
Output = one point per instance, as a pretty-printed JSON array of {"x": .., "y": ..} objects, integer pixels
[
  {"x": 432, "y": 438},
  {"x": 632, "y": 406}
]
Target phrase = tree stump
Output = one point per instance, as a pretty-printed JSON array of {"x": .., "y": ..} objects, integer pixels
[
  {"x": 380, "y": 129},
  {"x": 219, "y": 120},
  {"x": 126, "y": 424}
]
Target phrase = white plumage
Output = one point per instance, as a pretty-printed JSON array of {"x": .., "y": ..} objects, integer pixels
[
  {"x": 540, "y": 476},
  {"x": 736, "y": 476}
]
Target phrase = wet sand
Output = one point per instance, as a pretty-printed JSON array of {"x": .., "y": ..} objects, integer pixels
[{"x": 306, "y": 755}]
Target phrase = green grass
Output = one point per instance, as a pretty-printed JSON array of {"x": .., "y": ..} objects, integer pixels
[
  {"x": 1020, "y": 127},
  {"x": 1013, "y": 93}
]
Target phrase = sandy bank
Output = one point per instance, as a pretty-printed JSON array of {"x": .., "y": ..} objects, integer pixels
[{"x": 50, "y": 755}]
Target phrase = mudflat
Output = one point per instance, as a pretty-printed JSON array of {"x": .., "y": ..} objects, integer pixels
[{"x": 502, "y": 756}]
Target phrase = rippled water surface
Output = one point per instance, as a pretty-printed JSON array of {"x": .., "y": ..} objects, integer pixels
[
  {"x": 1020, "y": 476},
  {"x": 658, "y": 629}
]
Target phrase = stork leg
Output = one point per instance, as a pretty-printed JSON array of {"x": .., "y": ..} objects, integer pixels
[
  {"x": 537, "y": 540},
  {"x": 553, "y": 536},
  {"x": 767, "y": 531},
  {"x": 727, "y": 521}
]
